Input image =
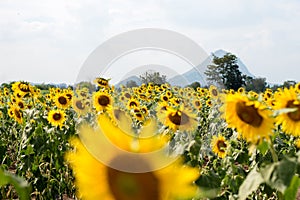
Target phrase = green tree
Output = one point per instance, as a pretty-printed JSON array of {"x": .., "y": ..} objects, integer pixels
[
  {"x": 225, "y": 72},
  {"x": 213, "y": 76},
  {"x": 131, "y": 83},
  {"x": 194, "y": 85},
  {"x": 256, "y": 84},
  {"x": 154, "y": 77}
]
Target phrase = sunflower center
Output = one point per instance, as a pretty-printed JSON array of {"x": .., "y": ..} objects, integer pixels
[
  {"x": 221, "y": 145},
  {"x": 127, "y": 95},
  {"x": 132, "y": 104},
  {"x": 179, "y": 119},
  {"x": 103, "y": 100},
  {"x": 57, "y": 116},
  {"x": 18, "y": 114},
  {"x": 21, "y": 105},
  {"x": 132, "y": 186},
  {"x": 197, "y": 103},
  {"x": 165, "y": 98},
  {"x": 62, "y": 100},
  {"x": 214, "y": 92},
  {"x": 248, "y": 114},
  {"x": 79, "y": 105},
  {"x": 295, "y": 116}
]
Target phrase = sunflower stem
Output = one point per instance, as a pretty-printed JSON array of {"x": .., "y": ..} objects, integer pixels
[{"x": 273, "y": 153}]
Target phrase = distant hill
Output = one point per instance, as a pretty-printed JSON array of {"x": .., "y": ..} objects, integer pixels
[
  {"x": 193, "y": 75},
  {"x": 197, "y": 73},
  {"x": 131, "y": 78}
]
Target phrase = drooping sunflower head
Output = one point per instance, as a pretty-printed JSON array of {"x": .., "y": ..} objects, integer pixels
[
  {"x": 289, "y": 119},
  {"x": 251, "y": 119},
  {"x": 56, "y": 118},
  {"x": 22, "y": 87},
  {"x": 219, "y": 145},
  {"x": 102, "y": 82}
]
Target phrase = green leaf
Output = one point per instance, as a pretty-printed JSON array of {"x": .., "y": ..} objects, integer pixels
[
  {"x": 21, "y": 186},
  {"x": 250, "y": 184},
  {"x": 291, "y": 191},
  {"x": 263, "y": 147},
  {"x": 279, "y": 175}
]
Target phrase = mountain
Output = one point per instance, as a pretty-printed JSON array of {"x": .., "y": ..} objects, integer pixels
[
  {"x": 197, "y": 73},
  {"x": 131, "y": 78}
]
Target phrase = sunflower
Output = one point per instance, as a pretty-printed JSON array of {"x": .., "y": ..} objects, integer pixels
[
  {"x": 22, "y": 87},
  {"x": 251, "y": 119},
  {"x": 297, "y": 87},
  {"x": 197, "y": 104},
  {"x": 21, "y": 104},
  {"x": 62, "y": 101},
  {"x": 297, "y": 143},
  {"x": 102, "y": 82},
  {"x": 178, "y": 119},
  {"x": 102, "y": 101},
  {"x": 137, "y": 114},
  {"x": 124, "y": 176},
  {"x": 80, "y": 107},
  {"x": 289, "y": 120},
  {"x": 241, "y": 90},
  {"x": 219, "y": 145},
  {"x": 132, "y": 103},
  {"x": 56, "y": 118},
  {"x": 213, "y": 91},
  {"x": 164, "y": 97},
  {"x": 126, "y": 94},
  {"x": 15, "y": 113}
]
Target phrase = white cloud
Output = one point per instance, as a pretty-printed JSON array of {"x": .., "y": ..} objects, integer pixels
[{"x": 49, "y": 40}]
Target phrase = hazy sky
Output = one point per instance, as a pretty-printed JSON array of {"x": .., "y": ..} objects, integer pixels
[{"x": 48, "y": 41}]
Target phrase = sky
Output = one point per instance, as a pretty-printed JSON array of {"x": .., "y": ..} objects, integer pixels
[{"x": 48, "y": 41}]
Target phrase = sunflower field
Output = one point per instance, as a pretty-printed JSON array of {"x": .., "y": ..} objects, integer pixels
[{"x": 217, "y": 144}]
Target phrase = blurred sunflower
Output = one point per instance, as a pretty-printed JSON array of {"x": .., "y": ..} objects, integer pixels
[
  {"x": 94, "y": 180},
  {"x": 251, "y": 119},
  {"x": 80, "y": 107},
  {"x": 56, "y": 118},
  {"x": 289, "y": 120},
  {"x": 219, "y": 145},
  {"x": 197, "y": 104},
  {"x": 178, "y": 119},
  {"x": 297, "y": 87},
  {"x": 102, "y": 101},
  {"x": 213, "y": 91}
]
